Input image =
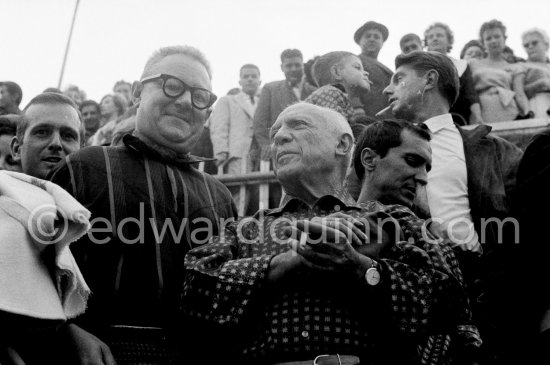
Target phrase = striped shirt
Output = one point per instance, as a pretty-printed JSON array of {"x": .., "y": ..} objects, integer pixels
[{"x": 146, "y": 214}]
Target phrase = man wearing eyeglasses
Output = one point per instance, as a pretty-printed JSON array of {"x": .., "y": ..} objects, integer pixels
[{"x": 150, "y": 207}]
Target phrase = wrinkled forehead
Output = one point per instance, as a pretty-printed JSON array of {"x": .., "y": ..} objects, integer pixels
[{"x": 304, "y": 112}]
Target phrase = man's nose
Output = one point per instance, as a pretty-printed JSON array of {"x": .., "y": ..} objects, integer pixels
[
  {"x": 55, "y": 142},
  {"x": 388, "y": 90},
  {"x": 421, "y": 176},
  {"x": 184, "y": 98},
  {"x": 281, "y": 137}
]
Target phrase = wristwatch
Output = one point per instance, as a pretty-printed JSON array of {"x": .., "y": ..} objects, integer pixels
[{"x": 372, "y": 276}]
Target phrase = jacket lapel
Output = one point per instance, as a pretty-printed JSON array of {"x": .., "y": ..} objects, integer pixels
[
  {"x": 478, "y": 152},
  {"x": 244, "y": 103}
]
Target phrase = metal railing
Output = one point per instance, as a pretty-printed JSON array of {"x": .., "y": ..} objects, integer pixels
[{"x": 517, "y": 132}]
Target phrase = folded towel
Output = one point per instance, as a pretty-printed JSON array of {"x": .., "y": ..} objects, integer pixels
[{"x": 39, "y": 216}]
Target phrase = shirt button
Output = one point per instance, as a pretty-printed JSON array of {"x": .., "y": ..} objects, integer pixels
[{"x": 305, "y": 334}]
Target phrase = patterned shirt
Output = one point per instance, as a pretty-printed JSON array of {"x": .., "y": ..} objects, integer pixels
[
  {"x": 332, "y": 97},
  {"x": 317, "y": 313}
]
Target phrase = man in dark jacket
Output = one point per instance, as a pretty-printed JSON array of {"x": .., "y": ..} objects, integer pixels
[
  {"x": 469, "y": 187},
  {"x": 274, "y": 98},
  {"x": 277, "y": 95},
  {"x": 150, "y": 207},
  {"x": 371, "y": 37}
]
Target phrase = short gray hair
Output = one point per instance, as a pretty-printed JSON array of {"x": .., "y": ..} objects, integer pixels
[
  {"x": 540, "y": 32},
  {"x": 164, "y": 52}
]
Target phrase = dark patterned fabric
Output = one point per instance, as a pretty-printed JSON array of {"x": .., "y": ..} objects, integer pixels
[
  {"x": 332, "y": 97},
  {"x": 315, "y": 313}
]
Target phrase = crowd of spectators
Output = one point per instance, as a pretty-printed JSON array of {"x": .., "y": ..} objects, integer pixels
[{"x": 348, "y": 139}]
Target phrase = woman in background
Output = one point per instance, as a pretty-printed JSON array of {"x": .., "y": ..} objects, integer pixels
[
  {"x": 113, "y": 107},
  {"x": 536, "y": 79},
  {"x": 472, "y": 50},
  {"x": 439, "y": 38},
  {"x": 499, "y": 96}
]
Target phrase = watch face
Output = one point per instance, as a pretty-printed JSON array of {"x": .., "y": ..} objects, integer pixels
[{"x": 372, "y": 276}]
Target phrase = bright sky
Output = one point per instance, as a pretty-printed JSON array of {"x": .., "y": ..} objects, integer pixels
[{"x": 113, "y": 38}]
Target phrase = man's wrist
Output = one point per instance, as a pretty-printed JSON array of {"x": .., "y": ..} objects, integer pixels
[{"x": 364, "y": 264}]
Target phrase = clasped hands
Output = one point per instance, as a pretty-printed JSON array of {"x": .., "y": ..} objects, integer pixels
[{"x": 336, "y": 243}]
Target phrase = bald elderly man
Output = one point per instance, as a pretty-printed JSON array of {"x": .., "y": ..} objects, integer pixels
[{"x": 291, "y": 286}]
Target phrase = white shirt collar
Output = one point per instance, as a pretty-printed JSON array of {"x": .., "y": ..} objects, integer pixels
[{"x": 439, "y": 122}]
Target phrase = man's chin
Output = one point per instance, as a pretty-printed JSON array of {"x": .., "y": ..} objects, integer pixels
[
  {"x": 405, "y": 201},
  {"x": 286, "y": 171},
  {"x": 41, "y": 171}
]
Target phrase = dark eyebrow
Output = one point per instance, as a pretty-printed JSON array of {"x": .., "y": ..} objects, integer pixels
[
  {"x": 396, "y": 75},
  {"x": 41, "y": 125},
  {"x": 68, "y": 129}
]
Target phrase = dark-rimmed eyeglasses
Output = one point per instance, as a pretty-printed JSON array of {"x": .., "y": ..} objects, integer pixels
[{"x": 174, "y": 88}]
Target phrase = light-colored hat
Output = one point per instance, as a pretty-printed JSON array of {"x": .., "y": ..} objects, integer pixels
[{"x": 39, "y": 277}]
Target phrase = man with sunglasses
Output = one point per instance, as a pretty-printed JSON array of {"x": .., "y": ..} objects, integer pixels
[{"x": 150, "y": 207}]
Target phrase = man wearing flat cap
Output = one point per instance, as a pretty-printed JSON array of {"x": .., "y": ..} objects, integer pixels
[{"x": 371, "y": 37}]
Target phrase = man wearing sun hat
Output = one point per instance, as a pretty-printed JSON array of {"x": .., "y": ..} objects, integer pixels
[{"x": 371, "y": 37}]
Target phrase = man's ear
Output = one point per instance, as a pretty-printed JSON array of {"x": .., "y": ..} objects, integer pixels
[
  {"x": 345, "y": 144},
  {"x": 432, "y": 78},
  {"x": 369, "y": 159},
  {"x": 208, "y": 112},
  {"x": 137, "y": 88},
  {"x": 15, "y": 149}
]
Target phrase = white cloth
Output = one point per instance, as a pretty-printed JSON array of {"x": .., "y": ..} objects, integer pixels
[
  {"x": 540, "y": 104},
  {"x": 447, "y": 188},
  {"x": 35, "y": 214}
]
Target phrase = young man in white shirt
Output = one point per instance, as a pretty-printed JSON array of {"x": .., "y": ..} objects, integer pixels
[{"x": 469, "y": 185}]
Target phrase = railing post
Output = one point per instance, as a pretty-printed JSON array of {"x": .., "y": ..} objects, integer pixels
[
  {"x": 264, "y": 188},
  {"x": 242, "y": 188}
]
